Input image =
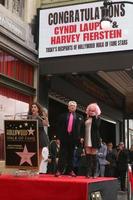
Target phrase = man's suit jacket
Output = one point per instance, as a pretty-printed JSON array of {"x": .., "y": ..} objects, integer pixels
[{"x": 78, "y": 127}]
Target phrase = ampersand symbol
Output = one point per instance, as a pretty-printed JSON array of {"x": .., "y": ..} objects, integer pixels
[{"x": 115, "y": 25}]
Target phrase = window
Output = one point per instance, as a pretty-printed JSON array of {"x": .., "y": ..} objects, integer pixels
[
  {"x": 10, "y": 109},
  {"x": 15, "y": 6},
  {"x": 18, "y": 7},
  {"x": 16, "y": 68}
]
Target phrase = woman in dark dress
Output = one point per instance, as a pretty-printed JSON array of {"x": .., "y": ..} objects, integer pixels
[
  {"x": 92, "y": 138},
  {"x": 38, "y": 113}
]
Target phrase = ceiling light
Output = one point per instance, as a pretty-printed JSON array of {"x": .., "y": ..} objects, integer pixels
[
  {"x": 106, "y": 23},
  {"x": 106, "y": 20}
]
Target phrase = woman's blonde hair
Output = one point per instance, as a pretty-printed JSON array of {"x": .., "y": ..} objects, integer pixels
[{"x": 95, "y": 107}]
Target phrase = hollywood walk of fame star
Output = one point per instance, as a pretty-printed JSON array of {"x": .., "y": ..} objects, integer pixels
[
  {"x": 25, "y": 156},
  {"x": 30, "y": 131}
]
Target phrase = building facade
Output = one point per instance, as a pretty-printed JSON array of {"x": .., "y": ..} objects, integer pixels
[{"x": 18, "y": 63}]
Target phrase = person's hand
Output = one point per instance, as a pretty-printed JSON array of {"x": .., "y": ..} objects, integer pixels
[
  {"x": 81, "y": 140},
  {"x": 49, "y": 160},
  {"x": 56, "y": 160},
  {"x": 100, "y": 155},
  {"x": 45, "y": 122},
  {"x": 108, "y": 163}
]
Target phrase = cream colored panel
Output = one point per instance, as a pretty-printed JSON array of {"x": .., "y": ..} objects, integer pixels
[
  {"x": 31, "y": 9},
  {"x": 45, "y": 3},
  {"x": 112, "y": 81}
]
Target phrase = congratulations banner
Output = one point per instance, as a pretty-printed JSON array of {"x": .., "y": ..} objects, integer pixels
[{"x": 76, "y": 29}]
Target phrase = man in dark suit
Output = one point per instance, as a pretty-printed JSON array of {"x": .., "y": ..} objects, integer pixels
[
  {"x": 70, "y": 132},
  {"x": 122, "y": 164}
]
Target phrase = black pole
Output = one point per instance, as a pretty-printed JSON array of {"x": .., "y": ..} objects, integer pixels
[{"x": 106, "y": 2}]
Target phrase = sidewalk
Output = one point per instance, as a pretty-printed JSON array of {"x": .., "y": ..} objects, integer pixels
[{"x": 122, "y": 195}]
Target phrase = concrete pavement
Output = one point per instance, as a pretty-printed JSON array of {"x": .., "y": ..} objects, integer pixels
[{"x": 122, "y": 195}]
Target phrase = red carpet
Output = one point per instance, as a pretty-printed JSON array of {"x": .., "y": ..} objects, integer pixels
[{"x": 46, "y": 187}]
